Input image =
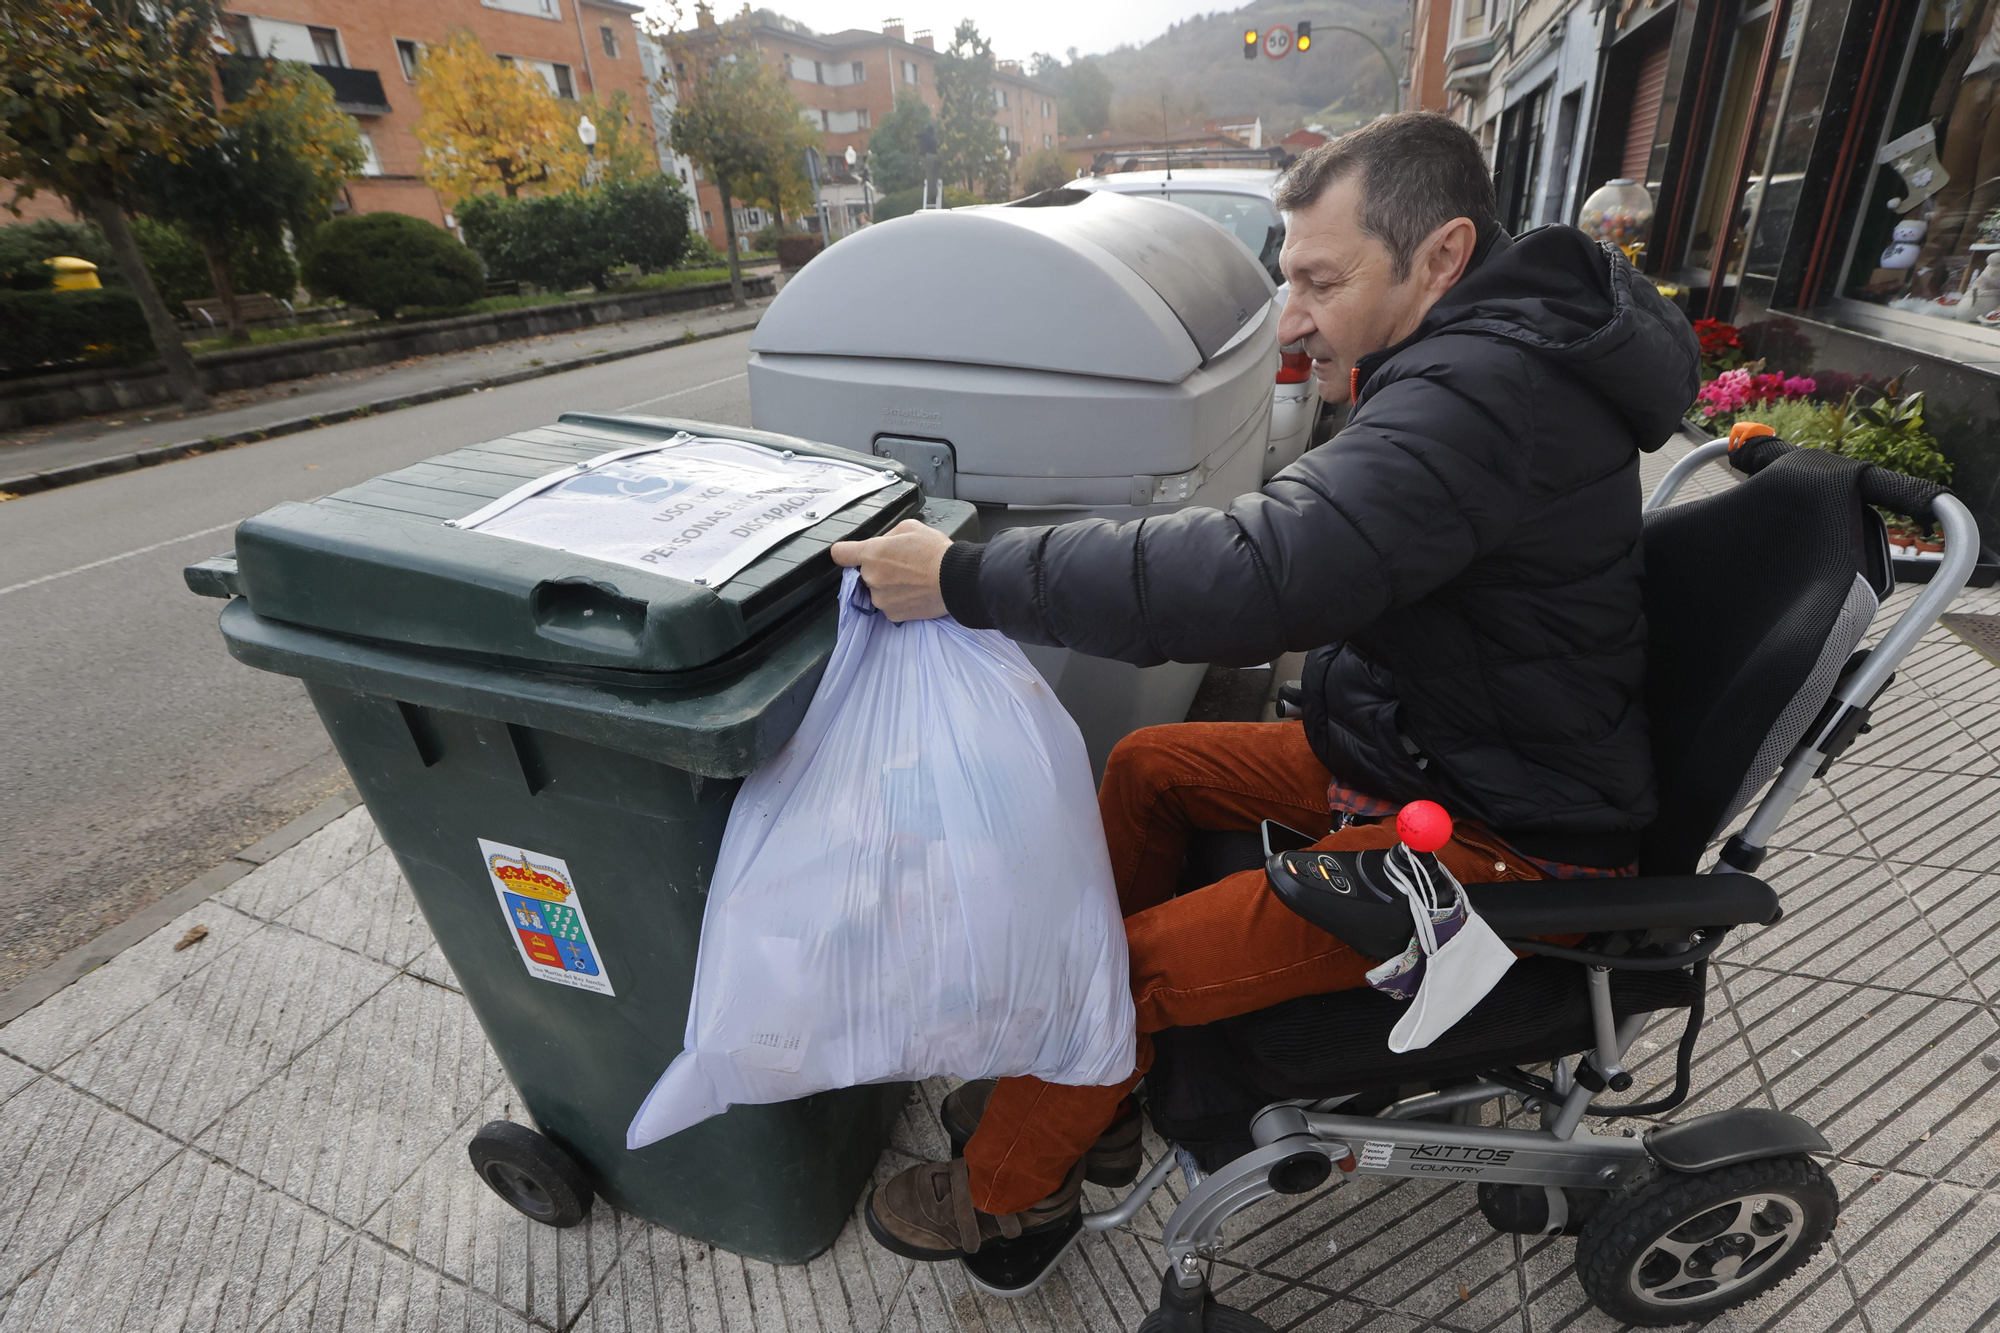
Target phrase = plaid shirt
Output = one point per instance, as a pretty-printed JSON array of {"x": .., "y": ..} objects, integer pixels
[{"x": 1350, "y": 805}]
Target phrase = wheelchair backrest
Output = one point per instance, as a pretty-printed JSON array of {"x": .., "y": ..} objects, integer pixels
[{"x": 1755, "y": 600}]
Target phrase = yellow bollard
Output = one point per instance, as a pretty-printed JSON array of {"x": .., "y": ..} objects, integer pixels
[{"x": 74, "y": 275}]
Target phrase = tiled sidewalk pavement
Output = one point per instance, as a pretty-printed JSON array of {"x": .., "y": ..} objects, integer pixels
[{"x": 267, "y": 1130}]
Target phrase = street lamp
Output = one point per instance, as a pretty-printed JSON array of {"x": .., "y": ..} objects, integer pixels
[
  {"x": 588, "y": 133},
  {"x": 867, "y": 195}
]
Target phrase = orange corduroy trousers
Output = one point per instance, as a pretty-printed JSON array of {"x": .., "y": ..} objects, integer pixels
[{"x": 1230, "y": 948}]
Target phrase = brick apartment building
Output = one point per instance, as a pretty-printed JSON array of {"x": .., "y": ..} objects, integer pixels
[
  {"x": 848, "y": 81},
  {"x": 367, "y": 50}
]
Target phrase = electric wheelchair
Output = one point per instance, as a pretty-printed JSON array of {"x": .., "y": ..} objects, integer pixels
[{"x": 1757, "y": 601}]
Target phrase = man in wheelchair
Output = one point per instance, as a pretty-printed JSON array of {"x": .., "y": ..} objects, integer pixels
[{"x": 1469, "y": 548}]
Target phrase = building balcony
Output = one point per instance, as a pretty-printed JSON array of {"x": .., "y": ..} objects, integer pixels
[
  {"x": 1469, "y": 61},
  {"x": 358, "y": 92}
]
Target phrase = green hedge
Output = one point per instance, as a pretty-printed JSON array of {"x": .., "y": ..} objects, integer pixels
[
  {"x": 386, "y": 261},
  {"x": 25, "y": 245},
  {"x": 797, "y": 251},
  {"x": 54, "y": 328},
  {"x": 179, "y": 271},
  {"x": 900, "y": 203},
  {"x": 564, "y": 241}
]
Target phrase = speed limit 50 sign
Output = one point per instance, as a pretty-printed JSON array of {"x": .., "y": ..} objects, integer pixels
[{"x": 1278, "y": 42}]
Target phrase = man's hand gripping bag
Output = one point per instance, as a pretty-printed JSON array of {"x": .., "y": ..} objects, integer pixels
[{"x": 916, "y": 884}]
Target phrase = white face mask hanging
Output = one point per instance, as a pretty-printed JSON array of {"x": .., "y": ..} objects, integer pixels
[{"x": 1454, "y": 958}]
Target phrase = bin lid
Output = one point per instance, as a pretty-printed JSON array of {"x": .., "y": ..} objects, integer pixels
[
  {"x": 1108, "y": 284},
  {"x": 626, "y": 544}
]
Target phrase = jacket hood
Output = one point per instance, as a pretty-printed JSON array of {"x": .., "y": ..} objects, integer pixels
[{"x": 1579, "y": 303}]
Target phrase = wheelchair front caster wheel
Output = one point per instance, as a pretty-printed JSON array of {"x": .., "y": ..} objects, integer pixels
[
  {"x": 1684, "y": 1248},
  {"x": 532, "y": 1175},
  {"x": 1193, "y": 1310},
  {"x": 1214, "y": 1319}
]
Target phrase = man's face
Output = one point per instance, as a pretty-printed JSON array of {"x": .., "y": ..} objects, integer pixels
[{"x": 1345, "y": 301}]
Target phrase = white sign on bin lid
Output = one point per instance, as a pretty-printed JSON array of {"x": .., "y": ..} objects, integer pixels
[{"x": 692, "y": 508}]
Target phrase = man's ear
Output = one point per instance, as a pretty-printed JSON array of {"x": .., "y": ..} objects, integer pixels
[{"x": 1443, "y": 256}]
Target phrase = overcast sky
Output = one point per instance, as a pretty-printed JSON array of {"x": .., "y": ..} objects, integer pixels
[{"x": 1017, "y": 28}]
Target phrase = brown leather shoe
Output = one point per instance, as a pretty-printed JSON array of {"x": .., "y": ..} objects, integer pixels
[
  {"x": 1114, "y": 1160},
  {"x": 927, "y": 1212}
]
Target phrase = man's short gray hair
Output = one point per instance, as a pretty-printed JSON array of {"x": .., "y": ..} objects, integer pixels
[{"x": 1419, "y": 170}]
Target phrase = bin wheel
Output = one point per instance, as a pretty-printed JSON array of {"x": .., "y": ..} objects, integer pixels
[
  {"x": 535, "y": 1177},
  {"x": 1684, "y": 1248}
]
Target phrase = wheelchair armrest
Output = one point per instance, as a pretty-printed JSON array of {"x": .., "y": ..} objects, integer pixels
[{"x": 1564, "y": 907}]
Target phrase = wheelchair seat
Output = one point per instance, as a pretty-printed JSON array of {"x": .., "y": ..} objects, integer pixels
[{"x": 1756, "y": 600}]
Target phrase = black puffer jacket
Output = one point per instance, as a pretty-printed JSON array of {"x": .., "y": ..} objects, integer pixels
[{"x": 1468, "y": 547}]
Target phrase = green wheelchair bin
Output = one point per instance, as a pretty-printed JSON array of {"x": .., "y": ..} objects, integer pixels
[{"x": 549, "y": 734}]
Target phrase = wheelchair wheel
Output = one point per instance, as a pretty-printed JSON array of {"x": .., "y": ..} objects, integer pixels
[
  {"x": 1683, "y": 1248},
  {"x": 1214, "y": 1319},
  {"x": 1195, "y": 1310}
]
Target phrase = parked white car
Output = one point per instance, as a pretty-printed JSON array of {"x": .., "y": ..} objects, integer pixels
[{"x": 1241, "y": 202}]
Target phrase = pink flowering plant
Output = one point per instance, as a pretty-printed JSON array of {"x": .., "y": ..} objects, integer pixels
[{"x": 1739, "y": 391}]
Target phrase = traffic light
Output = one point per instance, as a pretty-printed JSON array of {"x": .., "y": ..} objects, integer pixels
[
  {"x": 1252, "y": 40},
  {"x": 1304, "y": 40}
]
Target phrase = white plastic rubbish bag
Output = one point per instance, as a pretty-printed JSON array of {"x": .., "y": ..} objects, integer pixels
[
  {"x": 1453, "y": 961},
  {"x": 916, "y": 884}
]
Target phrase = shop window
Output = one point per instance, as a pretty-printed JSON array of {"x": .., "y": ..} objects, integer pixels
[
  {"x": 1715, "y": 230},
  {"x": 1569, "y": 112},
  {"x": 1930, "y": 222},
  {"x": 1520, "y": 160},
  {"x": 1765, "y": 197}
]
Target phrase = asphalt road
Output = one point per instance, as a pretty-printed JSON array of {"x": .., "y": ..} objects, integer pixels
[{"x": 135, "y": 752}]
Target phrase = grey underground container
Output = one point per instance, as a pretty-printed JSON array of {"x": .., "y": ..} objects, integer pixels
[
  {"x": 592, "y": 715},
  {"x": 1095, "y": 356}
]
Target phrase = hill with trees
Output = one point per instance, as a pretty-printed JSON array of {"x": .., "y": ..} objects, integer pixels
[{"x": 1195, "y": 71}]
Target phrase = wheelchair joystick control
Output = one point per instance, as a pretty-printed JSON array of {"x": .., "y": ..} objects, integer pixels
[{"x": 1423, "y": 826}]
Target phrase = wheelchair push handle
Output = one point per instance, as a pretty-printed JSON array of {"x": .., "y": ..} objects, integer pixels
[{"x": 1754, "y": 447}]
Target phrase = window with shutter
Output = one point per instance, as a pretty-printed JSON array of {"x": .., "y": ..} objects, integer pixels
[{"x": 1648, "y": 91}]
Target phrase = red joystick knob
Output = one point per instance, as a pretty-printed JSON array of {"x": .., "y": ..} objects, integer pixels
[{"x": 1423, "y": 826}]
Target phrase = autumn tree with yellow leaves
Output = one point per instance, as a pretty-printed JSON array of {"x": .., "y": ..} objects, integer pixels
[
  {"x": 486, "y": 125},
  {"x": 491, "y": 126}
]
